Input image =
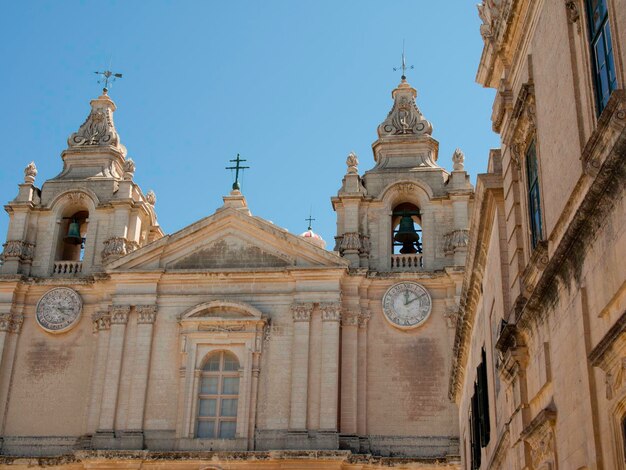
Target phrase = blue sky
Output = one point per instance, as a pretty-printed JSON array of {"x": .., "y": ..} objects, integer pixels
[{"x": 291, "y": 86}]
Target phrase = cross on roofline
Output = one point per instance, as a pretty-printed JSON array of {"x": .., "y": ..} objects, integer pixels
[
  {"x": 108, "y": 76},
  {"x": 237, "y": 167},
  {"x": 310, "y": 219}
]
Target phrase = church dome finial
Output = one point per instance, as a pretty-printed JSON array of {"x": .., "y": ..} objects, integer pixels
[{"x": 405, "y": 118}]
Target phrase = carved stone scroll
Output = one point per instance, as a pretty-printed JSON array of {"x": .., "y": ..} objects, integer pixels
[
  {"x": 331, "y": 311},
  {"x": 146, "y": 314}
]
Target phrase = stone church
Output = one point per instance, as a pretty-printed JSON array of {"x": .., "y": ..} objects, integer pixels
[{"x": 448, "y": 328}]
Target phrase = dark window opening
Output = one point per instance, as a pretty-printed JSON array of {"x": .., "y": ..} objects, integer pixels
[
  {"x": 479, "y": 413},
  {"x": 406, "y": 229},
  {"x": 534, "y": 199},
  {"x": 73, "y": 231},
  {"x": 605, "y": 80}
]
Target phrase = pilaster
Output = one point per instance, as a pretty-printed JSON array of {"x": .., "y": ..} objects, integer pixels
[
  {"x": 300, "y": 365},
  {"x": 349, "y": 369},
  {"x": 146, "y": 316},
  {"x": 331, "y": 315},
  {"x": 105, "y": 434}
]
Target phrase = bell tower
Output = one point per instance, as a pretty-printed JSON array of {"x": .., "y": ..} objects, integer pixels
[
  {"x": 91, "y": 213},
  {"x": 407, "y": 213}
]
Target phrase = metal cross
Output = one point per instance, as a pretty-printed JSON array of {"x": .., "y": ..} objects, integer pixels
[
  {"x": 404, "y": 66},
  {"x": 108, "y": 76},
  {"x": 237, "y": 167},
  {"x": 310, "y": 219}
]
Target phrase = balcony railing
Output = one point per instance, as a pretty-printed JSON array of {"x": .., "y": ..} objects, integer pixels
[
  {"x": 67, "y": 268},
  {"x": 412, "y": 262}
]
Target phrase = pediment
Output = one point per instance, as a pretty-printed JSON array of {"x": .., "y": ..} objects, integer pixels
[
  {"x": 231, "y": 252},
  {"x": 225, "y": 241}
]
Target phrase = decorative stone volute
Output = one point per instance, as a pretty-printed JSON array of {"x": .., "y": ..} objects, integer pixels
[
  {"x": 30, "y": 172},
  {"x": 98, "y": 129},
  {"x": 405, "y": 118}
]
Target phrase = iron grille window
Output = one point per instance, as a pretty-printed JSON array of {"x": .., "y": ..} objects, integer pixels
[
  {"x": 534, "y": 200},
  {"x": 479, "y": 413},
  {"x": 602, "y": 51}
]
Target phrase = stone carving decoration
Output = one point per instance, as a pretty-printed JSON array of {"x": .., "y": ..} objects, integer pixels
[
  {"x": 222, "y": 328},
  {"x": 75, "y": 198},
  {"x": 331, "y": 311},
  {"x": 406, "y": 305},
  {"x": 19, "y": 250},
  {"x": 540, "y": 437},
  {"x": 364, "y": 318},
  {"x": 11, "y": 323},
  {"x": 129, "y": 169},
  {"x": 350, "y": 318},
  {"x": 119, "y": 314},
  {"x": 114, "y": 247},
  {"x": 146, "y": 314},
  {"x": 30, "y": 172},
  {"x": 615, "y": 378},
  {"x": 404, "y": 117},
  {"x": 101, "y": 321},
  {"x": 573, "y": 14},
  {"x": 491, "y": 14},
  {"x": 365, "y": 245},
  {"x": 59, "y": 309},
  {"x": 301, "y": 311},
  {"x": 452, "y": 316},
  {"x": 98, "y": 129},
  {"x": 151, "y": 198},
  {"x": 350, "y": 241},
  {"x": 455, "y": 240},
  {"x": 458, "y": 157},
  {"x": 352, "y": 162}
]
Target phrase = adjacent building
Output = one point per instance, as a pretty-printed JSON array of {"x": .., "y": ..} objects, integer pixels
[{"x": 539, "y": 360}]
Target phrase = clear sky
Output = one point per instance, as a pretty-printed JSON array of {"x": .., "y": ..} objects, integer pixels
[{"x": 292, "y": 86}]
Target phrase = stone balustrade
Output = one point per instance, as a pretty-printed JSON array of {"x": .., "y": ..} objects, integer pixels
[
  {"x": 67, "y": 268},
  {"x": 410, "y": 262}
]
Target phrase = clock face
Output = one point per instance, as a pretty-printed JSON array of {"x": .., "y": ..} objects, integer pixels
[
  {"x": 407, "y": 305},
  {"x": 58, "y": 310}
]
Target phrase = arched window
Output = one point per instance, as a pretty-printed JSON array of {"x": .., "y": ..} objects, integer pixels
[
  {"x": 406, "y": 229},
  {"x": 72, "y": 236},
  {"x": 218, "y": 397}
]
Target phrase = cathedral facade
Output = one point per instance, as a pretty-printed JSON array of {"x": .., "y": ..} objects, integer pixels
[
  {"x": 233, "y": 337},
  {"x": 448, "y": 328}
]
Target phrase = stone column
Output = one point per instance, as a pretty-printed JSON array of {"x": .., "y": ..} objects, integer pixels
[
  {"x": 300, "y": 365},
  {"x": 101, "y": 326},
  {"x": 349, "y": 367},
  {"x": 108, "y": 408},
  {"x": 331, "y": 314},
  {"x": 146, "y": 315},
  {"x": 361, "y": 398}
]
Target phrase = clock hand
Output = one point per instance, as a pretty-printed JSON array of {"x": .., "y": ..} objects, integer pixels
[
  {"x": 416, "y": 298},
  {"x": 406, "y": 297}
]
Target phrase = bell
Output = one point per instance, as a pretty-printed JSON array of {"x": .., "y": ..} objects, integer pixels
[
  {"x": 407, "y": 235},
  {"x": 73, "y": 234}
]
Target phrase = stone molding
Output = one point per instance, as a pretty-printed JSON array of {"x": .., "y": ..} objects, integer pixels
[
  {"x": 610, "y": 356},
  {"x": 352, "y": 241},
  {"x": 18, "y": 250},
  {"x": 451, "y": 316},
  {"x": 119, "y": 314},
  {"x": 302, "y": 311},
  {"x": 101, "y": 321},
  {"x": 535, "y": 267},
  {"x": 512, "y": 353},
  {"x": 331, "y": 311},
  {"x": 146, "y": 314},
  {"x": 522, "y": 125}
]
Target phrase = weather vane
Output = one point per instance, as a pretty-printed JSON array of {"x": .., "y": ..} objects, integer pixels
[
  {"x": 108, "y": 76},
  {"x": 237, "y": 167},
  {"x": 404, "y": 67},
  {"x": 310, "y": 219}
]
